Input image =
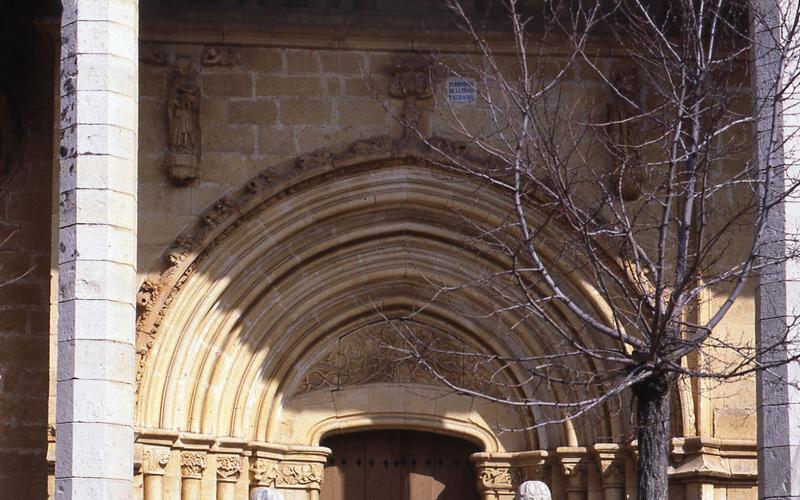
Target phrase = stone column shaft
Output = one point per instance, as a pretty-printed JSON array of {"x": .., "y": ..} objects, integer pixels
[
  {"x": 97, "y": 249},
  {"x": 193, "y": 465},
  {"x": 778, "y": 294},
  {"x": 154, "y": 468}
]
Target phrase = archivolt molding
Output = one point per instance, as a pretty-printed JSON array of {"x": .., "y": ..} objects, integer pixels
[
  {"x": 290, "y": 335},
  {"x": 158, "y": 290}
]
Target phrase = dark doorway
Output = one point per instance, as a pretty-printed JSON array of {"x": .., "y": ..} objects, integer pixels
[{"x": 399, "y": 465}]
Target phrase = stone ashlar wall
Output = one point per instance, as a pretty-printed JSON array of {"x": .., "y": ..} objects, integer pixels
[{"x": 25, "y": 265}]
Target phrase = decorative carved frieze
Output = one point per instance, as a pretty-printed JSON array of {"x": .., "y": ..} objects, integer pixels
[
  {"x": 269, "y": 473},
  {"x": 229, "y": 467},
  {"x": 221, "y": 56},
  {"x": 154, "y": 461},
  {"x": 183, "y": 124},
  {"x": 193, "y": 464}
]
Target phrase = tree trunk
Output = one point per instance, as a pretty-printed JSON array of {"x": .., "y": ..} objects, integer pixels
[{"x": 652, "y": 411}]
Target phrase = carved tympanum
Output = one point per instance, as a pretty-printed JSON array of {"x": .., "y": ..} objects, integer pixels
[
  {"x": 380, "y": 354},
  {"x": 183, "y": 124}
]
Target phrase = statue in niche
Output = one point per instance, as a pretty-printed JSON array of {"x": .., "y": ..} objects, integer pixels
[
  {"x": 533, "y": 490},
  {"x": 626, "y": 169},
  {"x": 183, "y": 125}
]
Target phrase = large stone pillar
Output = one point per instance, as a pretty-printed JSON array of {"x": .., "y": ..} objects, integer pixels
[
  {"x": 97, "y": 249},
  {"x": 778, "y": 294}
]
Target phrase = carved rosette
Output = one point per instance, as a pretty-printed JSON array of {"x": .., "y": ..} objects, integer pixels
[
  {"x": 499, "y": 478},
  {"x": 154, "y": 461},
  {"x": 229, "y": 468},
  {"x": 193, "y": 464}
]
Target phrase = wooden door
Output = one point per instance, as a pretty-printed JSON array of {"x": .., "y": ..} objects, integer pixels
[{"x": 398, "y": 465}]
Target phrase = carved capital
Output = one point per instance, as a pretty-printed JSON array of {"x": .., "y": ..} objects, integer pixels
[
  {"x": 499, "y": 478},
  {"x": 154, "y": 461},
  {"x": 612, "y": 465},
  {"x": 193, "y": 464},
  {"x": 575, "y": 474},
  {"x": 229, "y": 468},
  {"x": 263, "y": 472}
]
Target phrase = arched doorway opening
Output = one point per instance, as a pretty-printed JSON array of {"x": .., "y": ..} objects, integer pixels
[{"x": 399, "y": 465}]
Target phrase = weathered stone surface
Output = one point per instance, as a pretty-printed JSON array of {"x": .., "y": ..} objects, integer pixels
[{"x": 97, "y": 258}]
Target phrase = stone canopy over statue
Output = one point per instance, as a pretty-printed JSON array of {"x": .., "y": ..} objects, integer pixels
[{"x": 183, "y": 125}]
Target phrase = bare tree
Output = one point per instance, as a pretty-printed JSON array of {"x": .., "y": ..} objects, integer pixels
[{"x": 654, "y": 192}]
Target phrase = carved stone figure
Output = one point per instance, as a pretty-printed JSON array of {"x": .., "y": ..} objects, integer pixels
[
  {"x": 533, "y": 490},
  {"x": 183, "y": 124},
  {"x": 222, "y": 56},
  {"x": 412, "y": 80}
]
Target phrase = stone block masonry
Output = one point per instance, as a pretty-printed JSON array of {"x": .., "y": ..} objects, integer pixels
[{"x": 97, "y": 257}]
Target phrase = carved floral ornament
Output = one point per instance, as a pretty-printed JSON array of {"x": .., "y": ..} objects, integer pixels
[
  {"x": 158, "y": 290},
  {"x": 193, "y": 464},
  {"x": 229, "y": 467}
]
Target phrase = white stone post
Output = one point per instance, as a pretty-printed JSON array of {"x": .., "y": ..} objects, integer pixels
[
  {"x": 778, "y": 294},
  {"x": 97, "y": 249}
]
